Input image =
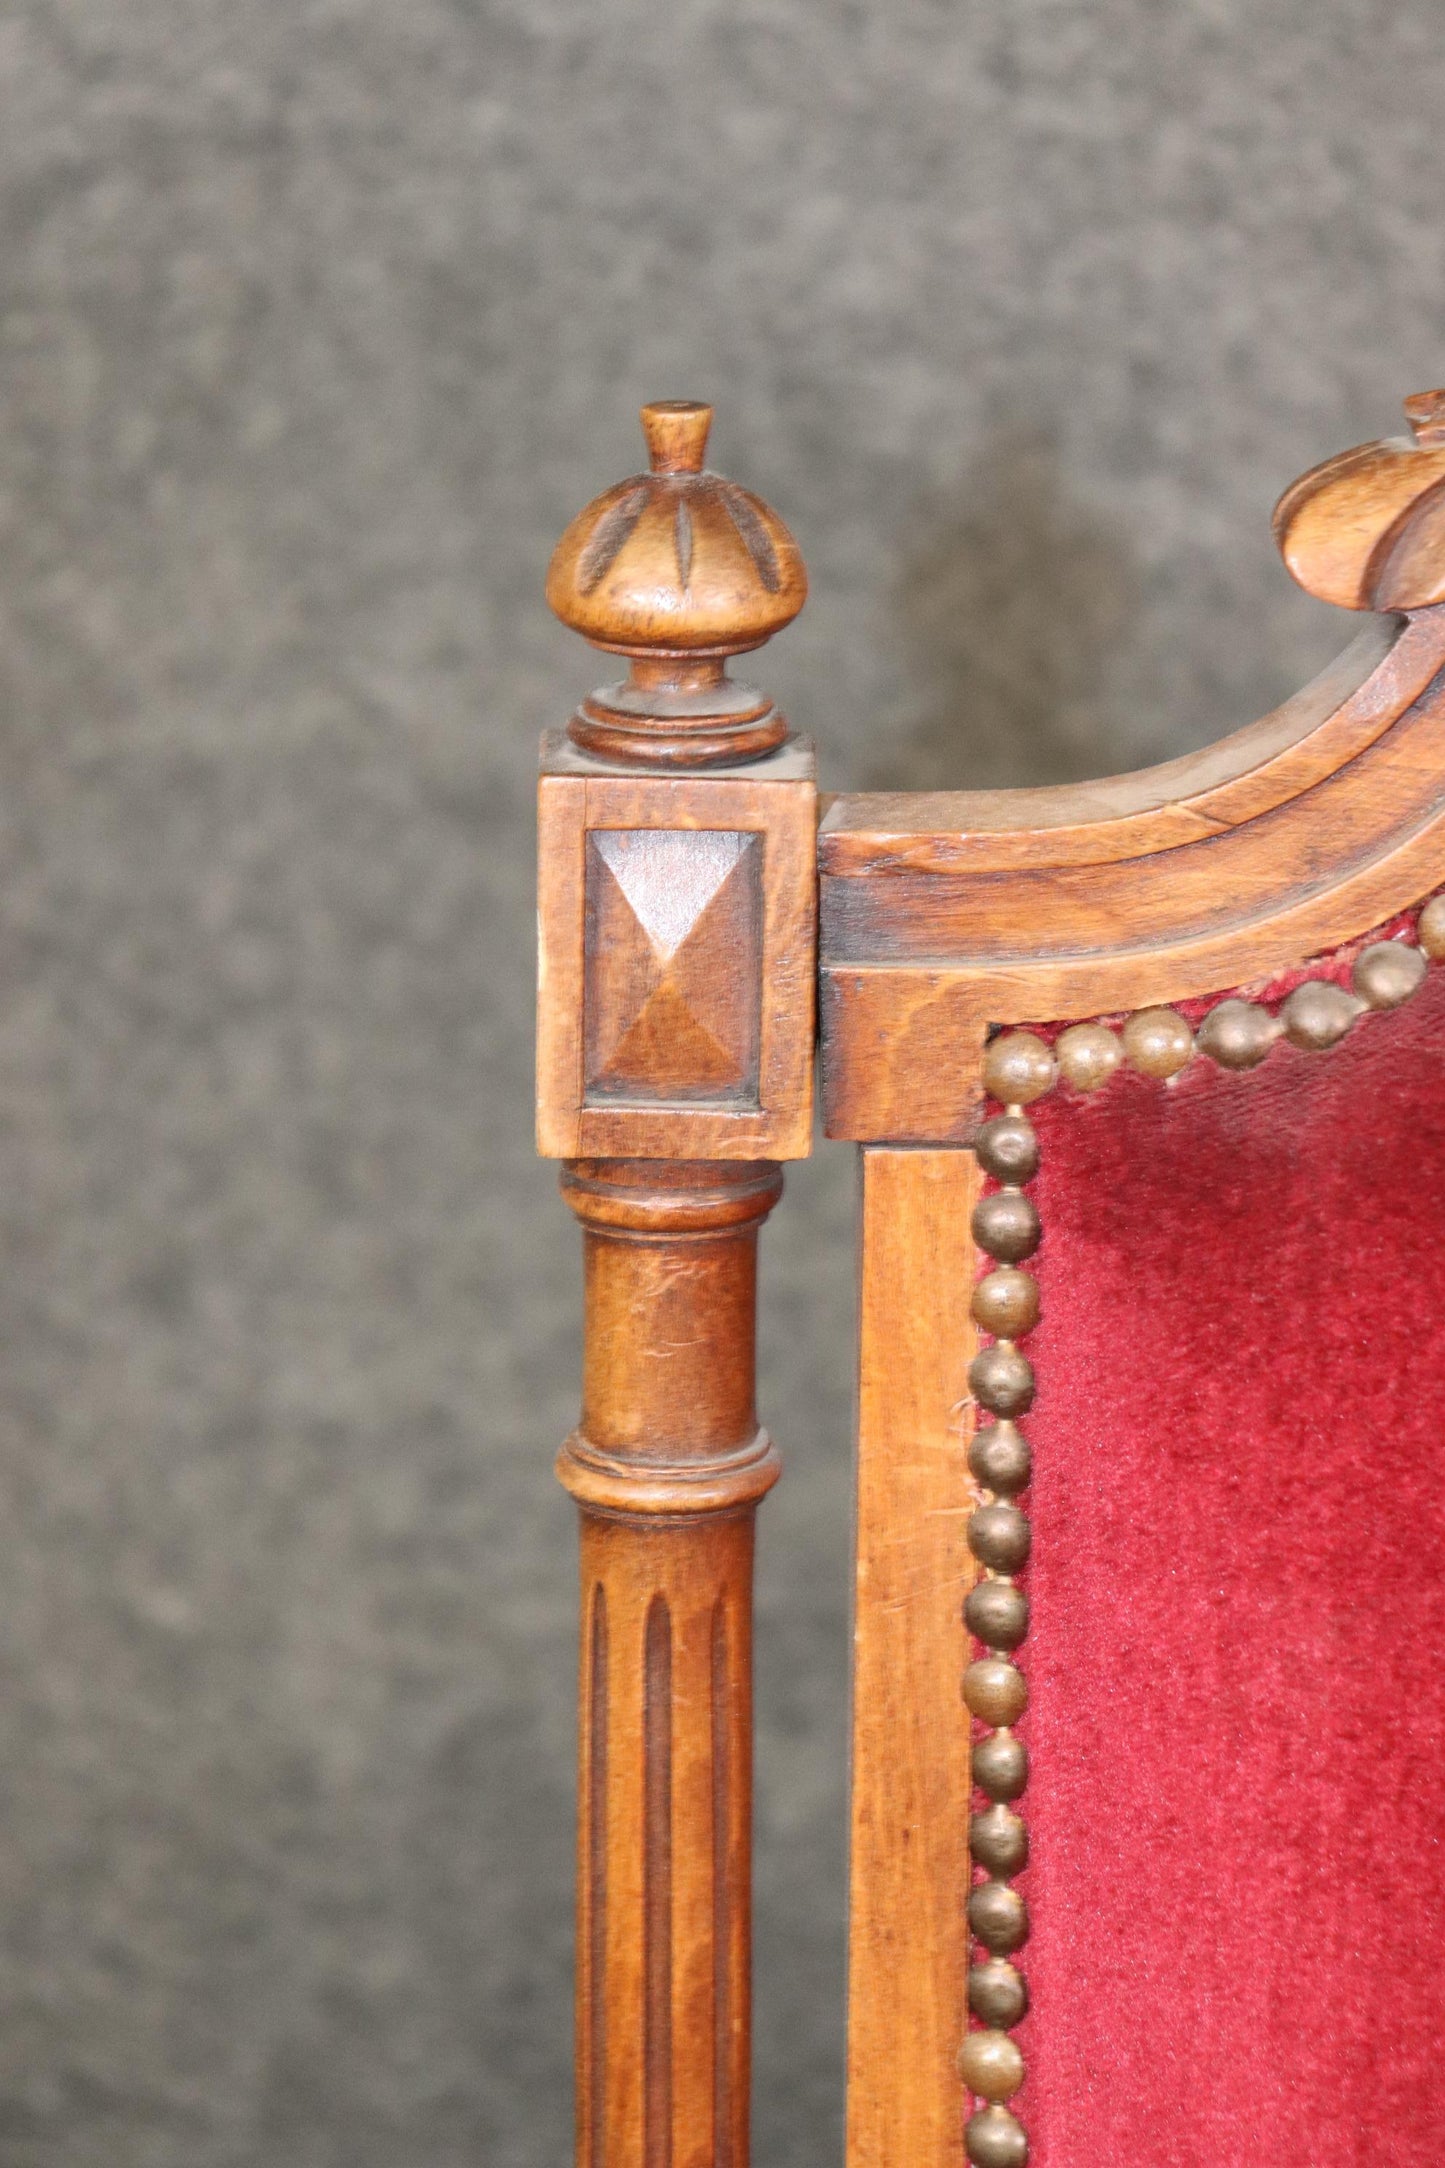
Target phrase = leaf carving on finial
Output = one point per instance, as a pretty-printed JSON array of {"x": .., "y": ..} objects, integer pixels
[
  {"x": 756, "y": 539},
  {"x": 682, "y": 542},
  {"x": 607, "y": 538}
]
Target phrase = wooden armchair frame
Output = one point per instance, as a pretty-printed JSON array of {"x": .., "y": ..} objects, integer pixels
[{"x": 690, "y": 902}]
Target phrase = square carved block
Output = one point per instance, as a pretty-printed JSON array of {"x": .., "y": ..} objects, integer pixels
[
  {"x": 677, "y": 956},
  {"x": 673, "y": 994}
]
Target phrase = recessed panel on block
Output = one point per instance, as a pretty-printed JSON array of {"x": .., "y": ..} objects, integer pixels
[
  {"x": 673, "y": 993},
  {"x": 678, "y": 948}
]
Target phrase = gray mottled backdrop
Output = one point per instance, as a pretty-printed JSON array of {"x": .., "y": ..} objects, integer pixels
[{"x": 319, "y": 318}]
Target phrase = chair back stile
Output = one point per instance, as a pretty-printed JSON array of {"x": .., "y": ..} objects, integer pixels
[{"x": 675, "y": 1040}]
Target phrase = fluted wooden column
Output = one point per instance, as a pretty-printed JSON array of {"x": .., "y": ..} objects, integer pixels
[
  {"x": 667, "y": 1467},
  {"x": 675, "y": 1029}
]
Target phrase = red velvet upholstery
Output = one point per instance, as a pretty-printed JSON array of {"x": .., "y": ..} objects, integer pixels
[{"x": 1237, "y": 1660}]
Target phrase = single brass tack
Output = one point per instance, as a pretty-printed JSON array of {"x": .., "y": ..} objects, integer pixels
[
  {"x": 999, "y": 1458},
  {"x": 1318, "y": 1014},
  {"x": 1088, "y": 1055},
  {"x": 994, "y": 1690},
  {"x": 998, "y": 1917},
  {"x": 1388, "y": 973},
  {"x": 997, "y": 1614},
  {"x": 999, "y": 1840},
  {"x": 990, "y": 2065},
  {"x": 1006, "y": 1224},
  {"x": 1002, "y": 1380},
  {"x": 1157, "y": 1042},
  {"x": 1431, "y": 928},
  {"x": 1238, "y": 1034},
  {"x": 994, "y": 2138},
  {"x": 997, "y": 1992},
  {"x": 1018, "y": 1068},
  {"x": 1008, "y": 1148},
  {"x": 1001, "y": 1766},
  {"x": 999, "y": 1537},
  {"x": 1006, "y": 1302}
]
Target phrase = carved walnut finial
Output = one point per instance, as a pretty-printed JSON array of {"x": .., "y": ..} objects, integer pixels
[
  {"x": 677, "y": 569},
  {"x": 1425, "y": 412},
  {"x": 1367, "y": 528}
]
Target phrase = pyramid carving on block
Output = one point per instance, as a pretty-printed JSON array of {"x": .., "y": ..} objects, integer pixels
[{"x": 674, "y": 966}]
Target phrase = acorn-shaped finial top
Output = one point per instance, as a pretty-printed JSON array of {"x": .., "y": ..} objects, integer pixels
[
  {"x": 677, "y": 561},
  {"x": 1367, "y": 528}
]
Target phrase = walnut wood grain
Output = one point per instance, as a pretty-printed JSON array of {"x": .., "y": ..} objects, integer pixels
[
  {"x": 667, "y": 1466},
  {"x": 678, "y": 560},
  {"x": 715, "y": 983},
  {"x": 909, "y": 1863},
  {"x": 672, "y": 1007},
  {"x": 1366, "y": 529},
  {"x": 929, "y": 937},
  {"x": 678, "y": 569},
  {"x": 1250, "y": 772},
  {"x": 1229, "y": 876},
  {"x": 675, "y": 1008}
]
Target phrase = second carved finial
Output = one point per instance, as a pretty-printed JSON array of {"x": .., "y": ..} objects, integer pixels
[{"x": 1367, "y": 528}]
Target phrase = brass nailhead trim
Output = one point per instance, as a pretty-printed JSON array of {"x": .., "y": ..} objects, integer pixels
[
  {"x": 1018, "y": 1068},
  {"x": 1005, "y": 1303}
]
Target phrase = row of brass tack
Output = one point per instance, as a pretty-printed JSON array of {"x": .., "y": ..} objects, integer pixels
[{"x": 1020, "y": 1067}]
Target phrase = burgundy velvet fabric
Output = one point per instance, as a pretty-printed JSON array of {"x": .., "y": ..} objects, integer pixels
[{"x": 1237, "y": 1661}]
